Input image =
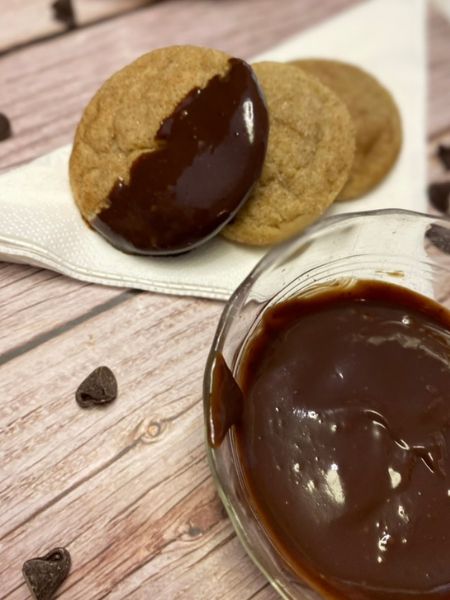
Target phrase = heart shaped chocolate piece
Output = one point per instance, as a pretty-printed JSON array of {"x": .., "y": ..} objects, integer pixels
[{"x": 45, "y": 574}]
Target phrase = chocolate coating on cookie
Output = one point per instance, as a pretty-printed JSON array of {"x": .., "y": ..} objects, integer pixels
[{"x": 211, "y": 152}]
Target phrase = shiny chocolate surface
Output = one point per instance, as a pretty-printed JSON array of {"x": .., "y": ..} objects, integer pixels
[
  {"x": 211, "y": 153},
  {"x": 344, "y": 440}
]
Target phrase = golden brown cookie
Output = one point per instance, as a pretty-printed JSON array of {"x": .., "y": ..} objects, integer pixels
[
  {"x": 169, "y": 148},
  {"x": 310, "y": 153},
  {"x": 376, "y": 117}
]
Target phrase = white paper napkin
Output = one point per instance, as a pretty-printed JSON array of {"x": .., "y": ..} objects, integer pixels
[{"x": 41, "y": 226}]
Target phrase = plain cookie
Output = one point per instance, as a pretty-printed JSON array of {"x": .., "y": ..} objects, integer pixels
[
  {"x": 376, "y": 117},
  {"x": 309, "y": 157}
]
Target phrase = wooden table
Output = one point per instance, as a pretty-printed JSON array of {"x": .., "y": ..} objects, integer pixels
[{"x": 127, "y": 489}]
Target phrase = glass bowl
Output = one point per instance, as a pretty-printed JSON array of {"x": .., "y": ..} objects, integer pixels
[{"x": 401, "y": 247}]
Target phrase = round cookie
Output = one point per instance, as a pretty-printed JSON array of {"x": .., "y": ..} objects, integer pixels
[
  {"x": 376, "y": 117},
  {"x": 309, "y": 157},
  {"x": 169, "y": 148}
]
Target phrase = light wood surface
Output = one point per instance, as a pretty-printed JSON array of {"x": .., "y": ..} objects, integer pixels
[
  {"x": 127, "y": 488},
  {"x": 25, "y": 21}
]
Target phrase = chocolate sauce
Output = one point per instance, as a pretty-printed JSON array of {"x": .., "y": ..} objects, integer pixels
[
  {"x": 344, "y": 439},
  {"x": 212, "y": 149},
  {"x": 226, "y": 403}
]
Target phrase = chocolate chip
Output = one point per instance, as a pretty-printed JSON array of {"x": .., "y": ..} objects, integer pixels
[
  {"x": 439, "y": 195},
  {"x": 5, "y": 127},
  {"x": 444, "y": 155},
  {"x": 63, "y": 12},
  {"x": 100, "y": 387},
  {"x": 440, "y": 237},
  {"x": 45, "y": 574}
]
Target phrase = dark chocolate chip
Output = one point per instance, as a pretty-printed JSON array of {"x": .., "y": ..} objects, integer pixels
[
  {"x": 5, "y": 127},
  {"x": 439, "y": 196},
  {"x": 444, "y": 155},
  {"x": 63, "y": 12},
  {"x": 440, "y": 237},
  {"x": 45, "y": 574},
  {"x": 100, "y": 387}
]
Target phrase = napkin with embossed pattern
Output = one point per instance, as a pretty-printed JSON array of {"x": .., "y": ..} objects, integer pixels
[{"x": 41, "y": 225}]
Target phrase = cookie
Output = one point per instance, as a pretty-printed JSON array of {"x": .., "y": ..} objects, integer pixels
[
  {"x": 376, "y": 117},
  {"x": 310, "y": 153},
  {"x": 169, "y": 148}
]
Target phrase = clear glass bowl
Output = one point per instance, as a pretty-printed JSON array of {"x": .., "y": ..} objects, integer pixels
[{"x": 401, "y": 247}]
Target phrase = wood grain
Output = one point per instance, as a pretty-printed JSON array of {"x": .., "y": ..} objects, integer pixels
[
  {"x": 436, "y": 170},
  {"x": 89, "y": 11},
  {"x": 28, "y": 21},
  {"x": 36, "y": 304},
  {"x": 120, "y": 463},
  {"x": 23, "y": 21},
  {"x": 439, "y": 74},
  {"x": 127, "y": 489}
]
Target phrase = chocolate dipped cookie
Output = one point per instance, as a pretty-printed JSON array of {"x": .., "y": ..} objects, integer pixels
[{"x": 169, "y": 149}]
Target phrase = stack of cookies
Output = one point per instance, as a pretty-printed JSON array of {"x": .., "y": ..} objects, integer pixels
[{"x": 187, "y": 142}]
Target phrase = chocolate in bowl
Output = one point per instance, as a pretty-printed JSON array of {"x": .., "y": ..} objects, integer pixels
[{"x": 305, "y": 542}]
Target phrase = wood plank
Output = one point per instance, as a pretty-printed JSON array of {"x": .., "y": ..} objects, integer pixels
[
  {"x": 45, "y": 87},
  {"x": 89, "y": 11},
  {"x": 150, "y": 443},
  {"x": 439, "y": 73},
  {"x": 35, "y": 303},
  {"x": 436, "y": 170},
  {"x": 106, "y": 338},
  {"x": 29, "y": 21},
  {"x": 24, "y": 21},
  {"x": 437, "y": 173}
]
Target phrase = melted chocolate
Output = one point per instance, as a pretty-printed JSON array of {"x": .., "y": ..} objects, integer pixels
[
  {"x": 225, "y": 402},
  {"x": 212, "y": 149},
  {"x": 344, "y": 440}
]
